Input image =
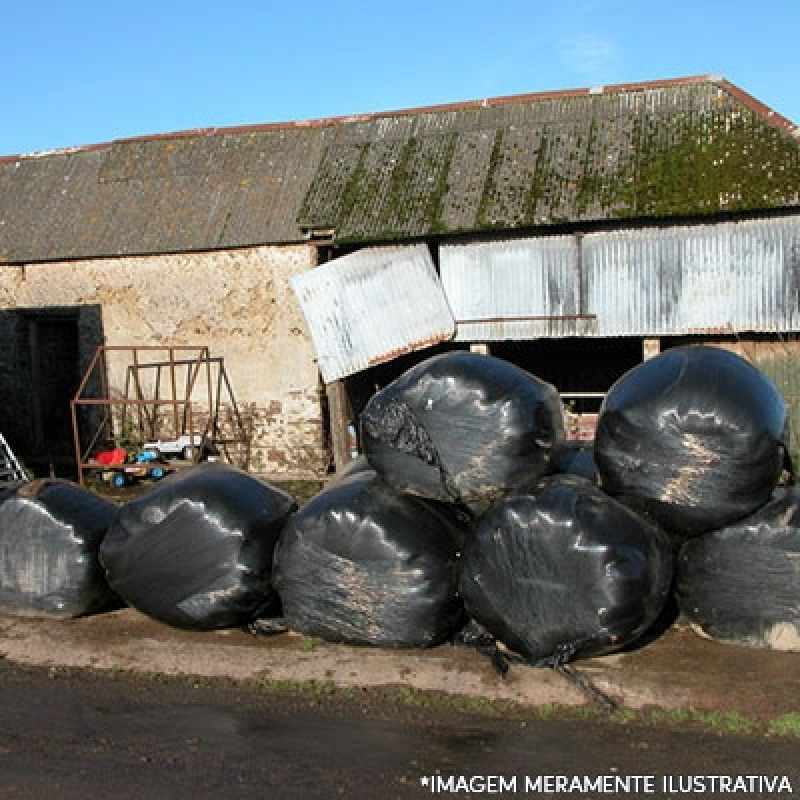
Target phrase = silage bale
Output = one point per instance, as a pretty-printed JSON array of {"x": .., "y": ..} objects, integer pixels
[
  {"x": 562, "y": 571},
  {"x": 462, "y": 428},
  {"x": 694, "y": 437},
  {"x": 741, "y": 584},
  {"x": 50, "y": 534},
  {"x": 195, "y": 550},
  {"x": 362, "y": 563}
]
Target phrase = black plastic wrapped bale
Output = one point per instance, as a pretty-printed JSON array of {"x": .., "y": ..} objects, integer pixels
[
  {"x": 741, "y": 584},
  {"x": 50, "y": 534},
  {"x": 562, "y": 571},
  {"x": 575, "y": 458},
  {"x": 462, "y": 427},
  {"x": 693, "y": 437},
  {"x": 362, "y": 563},
  {"x": 195, "y": 551}
]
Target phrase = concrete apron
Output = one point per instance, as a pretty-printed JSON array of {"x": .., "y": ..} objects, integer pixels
[{"x": 678, "y": 671}]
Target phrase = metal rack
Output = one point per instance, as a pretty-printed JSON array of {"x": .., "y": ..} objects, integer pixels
[{"x": 166, "y": 392}]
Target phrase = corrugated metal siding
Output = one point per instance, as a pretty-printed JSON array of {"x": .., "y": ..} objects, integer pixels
[
  {"x": 371, "y": 306},
  {"x": 520, "y": 289},
  {"x": 726, "y": 278}
]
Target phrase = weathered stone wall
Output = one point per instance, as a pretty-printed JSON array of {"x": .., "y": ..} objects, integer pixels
[{"x": 237, "y": 303}]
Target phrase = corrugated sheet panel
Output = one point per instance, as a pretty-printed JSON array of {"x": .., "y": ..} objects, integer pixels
[
  {"x": 371, "y": 306},
  {"x": 521, "y": 289},
  {"x": 728, "y": 277}
]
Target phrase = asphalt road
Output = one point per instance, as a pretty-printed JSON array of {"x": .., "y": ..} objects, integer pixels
[{"x": 69, "y": 734}]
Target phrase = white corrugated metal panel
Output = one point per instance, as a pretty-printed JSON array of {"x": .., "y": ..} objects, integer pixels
[
  {"x": 370, "y": 306},
  {"x": 518, "y": 289},
  {"x": 728, "y": 277}
]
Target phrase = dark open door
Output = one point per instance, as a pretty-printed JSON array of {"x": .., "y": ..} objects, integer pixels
[{"x": 55, "y": 373}]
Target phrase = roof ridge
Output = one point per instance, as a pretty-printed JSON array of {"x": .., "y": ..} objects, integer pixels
[
  {"x": 748, "y": 100},
  {"x": 461, "y": 105},
  {"x": 758, "y": 107}
]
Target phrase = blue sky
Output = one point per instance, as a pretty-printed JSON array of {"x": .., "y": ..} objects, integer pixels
[{"x": 89, "y": 71}]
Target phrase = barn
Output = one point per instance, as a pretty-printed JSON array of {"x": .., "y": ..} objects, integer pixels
[{"x": 261, "y": 282}]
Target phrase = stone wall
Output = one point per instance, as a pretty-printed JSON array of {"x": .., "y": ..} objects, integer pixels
[{"x": 239, "y": 304}]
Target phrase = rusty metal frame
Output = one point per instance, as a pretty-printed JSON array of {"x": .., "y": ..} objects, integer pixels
[{"x": 196, "y": 360}]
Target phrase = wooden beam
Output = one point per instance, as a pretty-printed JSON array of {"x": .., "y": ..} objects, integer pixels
[{"x": 339, "y": 413}]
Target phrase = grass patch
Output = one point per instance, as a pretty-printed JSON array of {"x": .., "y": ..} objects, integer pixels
[
  {"x": 785, "y": 725},
  {"x": 732, "y": 722},
  {"x": 382, "y": 698}
]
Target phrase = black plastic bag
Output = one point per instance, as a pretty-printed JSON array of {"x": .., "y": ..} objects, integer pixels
[
  {"x": 50, "y": 534},
  {"x": 741, "y": 584},
  {"x": 195, "y": 551},
  {"x": 693, "y": 437},
  {"x": 463, "y": 428},
  {"x": 362, "y": 563},
  {"x": 562, "y": 571}
]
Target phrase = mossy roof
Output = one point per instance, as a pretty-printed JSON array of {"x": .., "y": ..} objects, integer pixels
[{"x": 686, "y": 148}]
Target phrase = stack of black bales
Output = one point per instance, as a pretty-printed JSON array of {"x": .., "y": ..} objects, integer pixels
[
  {"x": 374, "y": 559},
  {"x": 554, "y": 570}
]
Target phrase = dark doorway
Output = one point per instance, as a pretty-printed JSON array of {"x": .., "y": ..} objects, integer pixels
[
  {"x": 54, "y": 357},
  {"x": 582, "y": 370}
]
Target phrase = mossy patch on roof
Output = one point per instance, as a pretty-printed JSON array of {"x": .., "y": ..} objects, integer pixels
[{"x": 685, "y": 151}]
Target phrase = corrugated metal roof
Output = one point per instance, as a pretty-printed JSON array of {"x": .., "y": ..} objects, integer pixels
[
  {"x": 730, "y": 277},
  {"x": 371, "y": 306},
  {"x": 673, "y": 148}
]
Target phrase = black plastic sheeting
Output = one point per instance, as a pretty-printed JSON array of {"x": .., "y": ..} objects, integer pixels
[
  {"x": 462, "y": 427},
  {"x": 562, "y": 571},
  {"x": 362, "y": 563},
  {"x": 742, "y": 583},
  {"x": 575, "y": 458},
  {"x": 50, "y": 534},
  {"x": 693, "y": 437},
  {"x": 196, "y": 550}
]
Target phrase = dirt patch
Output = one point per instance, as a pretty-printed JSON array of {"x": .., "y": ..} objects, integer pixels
[{"x": 679, "y": 670}]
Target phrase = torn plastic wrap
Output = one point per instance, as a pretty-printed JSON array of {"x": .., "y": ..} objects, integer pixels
[
  {"x": 693, "y": 437},
  {"x": 463, "y": 428},
  {"x": 362, "y": 563},
  {"x": 195, "y": 551},
  {"x": 741, "y": 584},
  {"x": 562, "y": 571},
  {"x": 50, "y": 534}
]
